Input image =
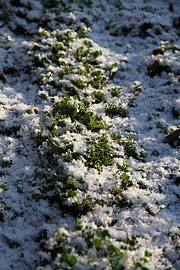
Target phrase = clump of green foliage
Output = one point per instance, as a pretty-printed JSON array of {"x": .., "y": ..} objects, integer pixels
[
  {"x": 78, "y": 113},
  {"x": 99, "y": 97},
  {"x": 127, "y": 143},
  {"x": 99, "y": 154},
  {"x": 115, "y": 91},
  {"x": 120, "y": 110}
]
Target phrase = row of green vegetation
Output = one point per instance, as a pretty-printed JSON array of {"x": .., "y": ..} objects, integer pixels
[{"x": 72, "y": 83}]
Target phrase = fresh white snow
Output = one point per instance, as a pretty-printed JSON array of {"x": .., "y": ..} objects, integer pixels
[{"x": 31, "y": 214}]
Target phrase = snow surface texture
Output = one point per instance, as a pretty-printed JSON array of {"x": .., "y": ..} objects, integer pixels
[{"x": 89, "y": 91}]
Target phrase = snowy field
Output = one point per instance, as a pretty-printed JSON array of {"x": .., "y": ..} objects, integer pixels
[{"x": 89, "y": 134}]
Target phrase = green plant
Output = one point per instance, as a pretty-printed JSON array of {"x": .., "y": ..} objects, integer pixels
[
  {"x": 116, "y": 91},
  {"x": 80, "y": 53},
  {"x": 79, "y": 84},
  {"x": 43, "y": 33},
  {"x": 129, "y": 146},
  {"x": 66, "y": 38},
  {"x": 40, "y": 61},
  {"x": 127, "y": 143},
  {"x": 78, "y": 112},
  {"x": 97, "y": 81},
  {"x": 112, "y": 70},
  {"x": 112, "y": 110},
  {"x": 87, "y": 56},
  {"x": 99, "y": 154},
  {"x": 142, "y": 185},
  {"x": 88, "y": 43},
  {"x": 125, "y": 181},
  {"x": 81, "y": 32},
  {"x": 122, "y": 202},
  {"x": 65, "y": 71},
  {"x": 99, "y": 97}
]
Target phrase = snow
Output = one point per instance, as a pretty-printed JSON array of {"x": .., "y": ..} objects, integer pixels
[{"x": 31, "y": 213}]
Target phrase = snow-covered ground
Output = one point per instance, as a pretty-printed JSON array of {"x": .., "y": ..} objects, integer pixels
[{"x": 89, "y": 173}]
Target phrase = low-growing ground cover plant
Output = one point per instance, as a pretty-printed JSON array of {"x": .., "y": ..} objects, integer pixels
[
  {"x": 100, "y": 153},
  {"x": 89, "y": 145},
  {"x": 68, "y": 117},
  {"x": 112, "y": 109}
]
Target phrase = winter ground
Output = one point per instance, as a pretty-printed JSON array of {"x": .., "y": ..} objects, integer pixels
[{"x": 89, "y": 93}]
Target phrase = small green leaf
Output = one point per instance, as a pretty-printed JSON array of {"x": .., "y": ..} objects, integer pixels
[
  {"x": 29, "y": 111},
  {"x": 78, "y": 224},
  {"x": 105, "y": 233},
  {"x": 43, "y": 33},
  {"x": 36, "y": 48},
  {"x": 147, "y": 253},
  {"x": 72, "y": 260},
  {"x": 36, "y": 111},
  {"x": 81, "y": 33},
  {"x": 115, "y": 250},
  {"x": 43, "y": 96},
  {"x": 64, "y": 257},
  {"x": 124, "y": 176},
  {"x": 41, "y": 129},
  {"x": 97, "y": 243},
  {"x": 102, "y": 234},
  {"x": 71, "y": 193},
  {"x": 144, "y": 260},
  {"x": 71, "y": 182},
  {"x": 55, "y": 132}
]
